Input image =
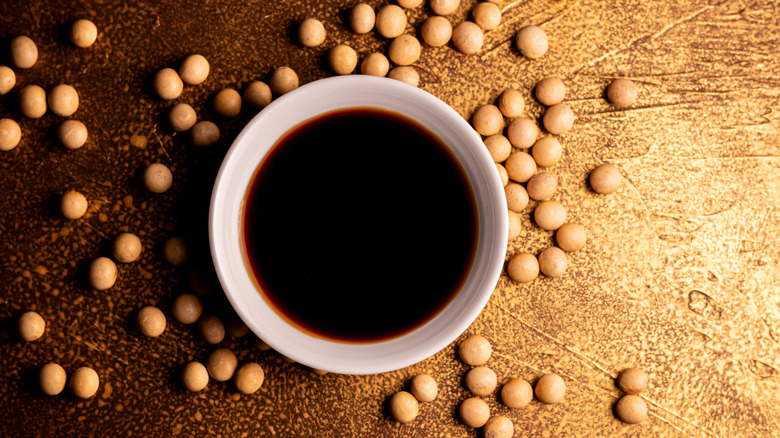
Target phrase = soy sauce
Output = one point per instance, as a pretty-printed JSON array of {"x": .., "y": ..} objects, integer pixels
[{"x": 359, "y": 225}]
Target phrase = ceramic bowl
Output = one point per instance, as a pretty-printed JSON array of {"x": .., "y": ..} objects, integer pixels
[{"x": 243, "y": 158}]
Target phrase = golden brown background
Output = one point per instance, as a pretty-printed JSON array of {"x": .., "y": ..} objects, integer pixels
[{"x": 679, "y": 275}]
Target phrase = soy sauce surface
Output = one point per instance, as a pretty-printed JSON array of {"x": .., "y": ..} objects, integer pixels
[{"x": 359, "y": 225}]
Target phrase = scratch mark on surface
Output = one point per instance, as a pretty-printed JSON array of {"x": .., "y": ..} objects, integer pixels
[
  {"x": 704, "y": 305},
  {"x": 586, "y": 359},
  {"x": 762, "y": 369},
  {"x": 582, "y": 356},
  {"x": 636, "y": 109},
  {"x": 728, "y": 51},
  {"x": 514, "y": 359},
  {"x": 106, "y": 57},
  {"x": 675, "y": 415},
  {"x": 663, "y": 30},
  {"x": 95, "y": 347},
  {"x": 740, "y": 25},
  {"x": 502, "y": 43},
  {"x": 668, "y": 422},
  {"x": 600, "y": 389},
  {"x": 23, "y": 187},
  {"x": 558, "y": 14},
  {"x": 159, "y": 140},
  {"x": 103, "y": 235},
  {"x": 509, "y": 5},
  {"x": 674, "y": 23},
  {"x": 771, "y": 330}
]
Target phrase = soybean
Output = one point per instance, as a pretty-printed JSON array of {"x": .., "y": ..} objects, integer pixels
[
  {"x": 182, "y": 117},
  {"x": 32, "y": 101},
  {"x": 522, "y": 132},
  {"x": 532, "y": 42},
  {"x": 523, "y": 267},
  {"x": 151, "y": 321},
  {"x": 550, "y": 91},
  {"x": 194, "y": 69},
  {"x": 404, "y": 50},
  {"x": 547, "y": 151},
  {"x": 249, "y": 378},
  {"x": 63, "y": 100},
  {"x": 571, "y": 237},
  {"x": 541, "y": 186},
  {"x": 403, "y": 407},
  {"x": 311, "y": 32},
  {"x": 633, "y": 380},
  {"x": 405, "y": 74},
  {"x": 258, "y": 94},
  {"x": 73, "y": 205},
  {"x": 486, "y": 15},
  {"x": 227, "y": 103},
  {"x": 423, "y": 387},
  {"x": 488, "y": 120},
  {"x": 52, "y": 379},
  {"x": 515, "y": 225},
  {"x": 502, "y": 174},
  {"x": 553, "y": 262},
  {"x": 516, "y": 197},
  {"x": 362, "y": 18},
  {"x": 194, "y": 377},
  {"x": 212, "y": 329},
  {"x": 468, "y": 37},
  {"x": 499, "y": 147},
  {"x": 102, "y": 273},
  {"x": 631, "y": 409},
  {"x": 550, "y": 215},
  {"x": 221, "y": 364},
  {"x": 24, "y": 52},
  {"x": 481, "y": 380},
  {"x": 176, "y": 251},
  {"x": 474, "y": 412},
  {"x": 499, "y": 427},
  {"x": 31, "y": 326},
  {"x": 391, "y": 21},
  {"x": 444, "y": 7},
  {"x": 511, "y": 102},
  {"x": 436, "y": 31},
  {"x": 520, "y": 166},
  {"x": 622, "y": 92},
  {"x": 72, "y": 134},
  {"x": 167, "y": 84},
  {"x": 517, "y": 393},
  {"x": 550, "y": 389},
  {"x": 375, "y": 64},
  {"x": 127, "y": 248},
  {"x": 187, "y": 308},
  {"x": 558, "y": 119},
  {"x": 7, "y": 79},
  {"x": 342, "y": 59},
  {"x": 475, "y": 350},
  {"x": 83, "y": 33},
  {"x": 157, "y": 178},
  {"x": 204, "y": 134},
  {"x": 283, "y": 80},
  {"x": 10, "y": 134},
  {"x": 84, "y": 382},
  {"x": 605, "y": 179}
]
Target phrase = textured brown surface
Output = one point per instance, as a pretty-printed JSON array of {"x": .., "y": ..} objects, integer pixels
[{"x": 679, "y": 275}]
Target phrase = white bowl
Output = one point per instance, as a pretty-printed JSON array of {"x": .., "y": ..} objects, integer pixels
[{"x": 245, "y": 155}]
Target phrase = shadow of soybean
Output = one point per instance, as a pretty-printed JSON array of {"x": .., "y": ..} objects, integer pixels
[
  {"x": 63, "y": 33},
  {"x": 31, "y": 382}
]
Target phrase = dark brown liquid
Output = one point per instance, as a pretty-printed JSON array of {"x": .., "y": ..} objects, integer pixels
[{"x": 359, "y": 225}]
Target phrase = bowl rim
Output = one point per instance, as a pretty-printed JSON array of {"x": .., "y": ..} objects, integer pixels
[{"x": 335, "y": 93}]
